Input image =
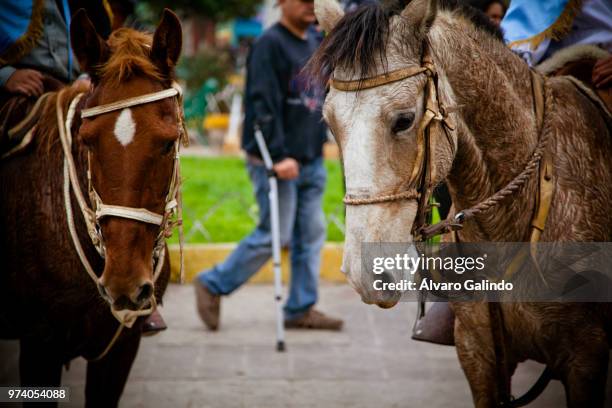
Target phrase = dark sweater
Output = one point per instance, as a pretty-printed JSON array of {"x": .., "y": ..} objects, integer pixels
[{"x": 280, "y": 97}]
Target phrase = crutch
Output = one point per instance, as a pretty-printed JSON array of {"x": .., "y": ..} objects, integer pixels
[{"x": 276, "y": 249}]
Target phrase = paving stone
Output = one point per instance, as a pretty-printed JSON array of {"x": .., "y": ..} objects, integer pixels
[{"x": 372, "y": 362}]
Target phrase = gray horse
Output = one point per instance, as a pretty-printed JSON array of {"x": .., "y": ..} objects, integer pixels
[{"x": 377, "y": 120}]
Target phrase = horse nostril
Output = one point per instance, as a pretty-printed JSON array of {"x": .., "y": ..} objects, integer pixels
[
  {"x": 388, "y": 277},
  {"x": 145, "y": 292},
  {"x": 123, "y": 302}
]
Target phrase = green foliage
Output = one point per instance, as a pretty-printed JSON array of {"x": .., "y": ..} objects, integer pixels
[
  {"x": 205, "y": 73},
  {"x": 206, "y": 64},
  {"x": 220, "y": 186},
  {"x": 215, "y": 10}
]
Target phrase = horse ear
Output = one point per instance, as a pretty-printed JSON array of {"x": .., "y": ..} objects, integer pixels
[
  {"x": 420, "y": 15},
  {"x": 89, "y": 48},
  {"x": 167, "y": 43},
  {"x": 328, "y": 13}
]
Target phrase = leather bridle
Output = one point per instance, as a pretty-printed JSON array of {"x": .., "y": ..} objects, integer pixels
[
  {"x": 435, "y": 120},
  {"x": 171, "y": 217}
]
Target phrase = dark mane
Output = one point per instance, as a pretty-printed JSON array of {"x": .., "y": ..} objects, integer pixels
[{"x": 358, "y": 42}]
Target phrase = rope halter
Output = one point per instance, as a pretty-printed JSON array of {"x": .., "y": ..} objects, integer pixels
[{"x": 92, "y": 215}]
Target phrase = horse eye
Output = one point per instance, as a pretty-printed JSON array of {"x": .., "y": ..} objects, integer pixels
[{"x": 403, "y": 122}]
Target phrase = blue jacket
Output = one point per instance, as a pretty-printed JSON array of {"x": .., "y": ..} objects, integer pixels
[{"x": 282, "y": 99}]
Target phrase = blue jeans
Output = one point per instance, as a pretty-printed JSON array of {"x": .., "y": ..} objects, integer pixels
[{"x": 302, "y": 227}]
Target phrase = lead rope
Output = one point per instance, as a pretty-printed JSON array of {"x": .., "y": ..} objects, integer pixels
[
  {"x": 181, "y": 234},
  {"x": 184, "y": 138},
  {"x": 456, "y": 223},
  {"x": 66, "y": 139},
  {"x": 495, "y": 313},
  {"x": 496, "y": 318},
  {"x": 495, "y": 310}
]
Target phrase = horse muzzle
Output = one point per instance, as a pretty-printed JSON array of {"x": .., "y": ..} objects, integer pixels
[
  {"x": 370, "y": 289},
  {"x": 130, "y": 297}
]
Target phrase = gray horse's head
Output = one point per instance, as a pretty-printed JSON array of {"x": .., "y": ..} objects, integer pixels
[{"x": 378, "y": 129}]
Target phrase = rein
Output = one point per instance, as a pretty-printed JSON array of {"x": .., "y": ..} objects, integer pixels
[{"x": 172, "y": 216}]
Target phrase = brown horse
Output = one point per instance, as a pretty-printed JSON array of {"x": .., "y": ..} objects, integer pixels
[
  {"x": 47, "y": 299},
  {"x": 385, "y": 63}
]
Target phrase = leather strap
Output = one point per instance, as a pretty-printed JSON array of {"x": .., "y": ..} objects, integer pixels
[
  {"x": 373, "y": 82},
  {"x": 25, "y": 142},
  {"x": 545, "y": 179},
  {"x": 498, "y": 337}
]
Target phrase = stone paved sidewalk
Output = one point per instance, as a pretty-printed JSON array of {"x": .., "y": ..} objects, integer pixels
[{"x": 372, "y": 363}]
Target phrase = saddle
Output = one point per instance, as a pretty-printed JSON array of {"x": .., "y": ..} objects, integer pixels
[
  {"x": 19, "y": 115},
  {"x": 578, "y": 62},
  {"x": 437, "y": 325}
]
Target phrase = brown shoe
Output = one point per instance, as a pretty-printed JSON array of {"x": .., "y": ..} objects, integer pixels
[
  {"x": 313, "y": 319},
  {"x": 208, "y": 305},
  {"x": 153, "y": 324}
]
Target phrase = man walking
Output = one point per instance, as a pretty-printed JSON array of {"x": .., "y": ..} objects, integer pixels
[{"x": 279, "y": 99}]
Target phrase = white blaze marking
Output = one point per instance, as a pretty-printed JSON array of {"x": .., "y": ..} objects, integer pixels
[
  {"x": 359, "y": 122},
  {"x": 359, "y": 155},
  {"x": 125, "y": 128}
]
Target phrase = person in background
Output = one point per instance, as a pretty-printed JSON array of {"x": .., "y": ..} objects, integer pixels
[
  {"x": 494, "y": 9},
  {"x": 536, "y": 30},
  {"x": 281, "y": 100},
  {"x": 35, "y": 55},
  {"x": 35, "y": 44}
]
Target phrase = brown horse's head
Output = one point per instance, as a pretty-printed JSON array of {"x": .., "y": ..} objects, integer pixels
[
  {"x": 131, "y": 150},
  {"x": 377, "y": 129}
]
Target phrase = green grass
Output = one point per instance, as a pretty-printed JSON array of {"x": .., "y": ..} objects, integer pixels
[{"x": 220, "y": 188}]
